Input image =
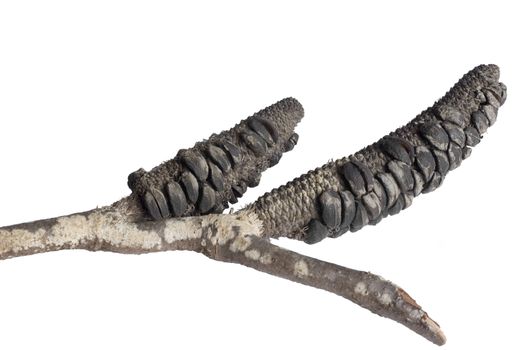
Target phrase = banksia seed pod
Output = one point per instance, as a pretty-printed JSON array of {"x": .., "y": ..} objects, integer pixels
[
  {"x": 205, "y": 178},
  {"x": 383, "y": 178}
]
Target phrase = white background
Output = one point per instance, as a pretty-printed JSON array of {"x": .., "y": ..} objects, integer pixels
[{"x": 92, "y": 90}]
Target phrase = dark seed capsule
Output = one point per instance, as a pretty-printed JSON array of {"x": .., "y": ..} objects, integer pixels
[
  {"x": 407, "y": 145},
  {"x": 442, "y": 162},
  {"x": 236, "y": 191},
  {"x": 197, "y": 164},
  {"x": 372, "y": 205},
  {"x": 190, "y": 184},
  {"x": 254, "y": 180},
  {"x": 239, "y": 189},
  {"x": 254, "y": 142},
  {"x": 162, "y": 202},
  {"x": 330, "y": 205},
  {"x": 403, "y": 175},
  {"x": 455, "y": 156},
  {"x": 275, "y": 158},
  {"x": 480, "y": 121},
  {"x": 207, "y": 200},
  {"x": 493, "y": 98},
  {"x": 480, "y": 97},
  {"x": 316, "y": 232},
  {"x": 491, "y": 113},
  {"x": 243, "y": 187},
  {"x": 473, "y": 137},
  {"x": 366, "y": 173},
  {"x": 135, "y": 177},
  {"x": 288, "y": 146},
  {"x": 466, "y": 152},
  {"x": 219, "y": 157},
  {"x": 291, "y": 142},
  {"x": 391, "y": 187},
  {"x": 340, "y": 232},
  {"x": 425, "y": 162},
  {"x": 418, "y": 183},
  {"x": 176, "y": 198},
  {"x": 216, "y": 177},
  {"x": 382, "y": 195},
  {"x": 233, "y": 151},
  {"x": 354, "y": 178},
  {"x": 407, "y": 200},
  {"x": 456, "y": 134},
  {"x": 434, "y": 183},
  {"x": 503, "y": 93},
  {"x": 261, "y": 130},
  {"x": 398, "y": 206},
  {"x": 453, "y": 115},
  {"x": 393, "y": 147},
  {"x": 496, "y": 90},
  {"x": 232, "y": 198},
  {"x": 360, "y": 219},
  {"x": 435, "y": 135},
  {"x": 271, "y": 128},
  {"x": 152, "y": 206},
  {"x": 349, "y": 209},
  {"x": 376, "y": 221}
]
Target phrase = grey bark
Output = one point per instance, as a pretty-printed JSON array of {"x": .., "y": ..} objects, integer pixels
[{"x": 235, "y": 238}]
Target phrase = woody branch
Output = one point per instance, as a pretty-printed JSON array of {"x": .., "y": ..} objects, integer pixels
[{"x": 235, "y": 238}]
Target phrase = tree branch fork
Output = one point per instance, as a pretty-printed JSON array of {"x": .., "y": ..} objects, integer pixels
[{"x": 234, "y": 238}]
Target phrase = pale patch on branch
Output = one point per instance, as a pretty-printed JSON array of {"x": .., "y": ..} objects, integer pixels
[
  {"x": 301, "y": 269},
  {"x": 15, "y": 241},
  {"x": 233, "y": 238}
]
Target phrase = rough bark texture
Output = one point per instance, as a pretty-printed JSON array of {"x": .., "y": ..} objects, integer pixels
[
  {"x": 121, "y": 227},
  {"x": 235, "y": 238},
  {"x": 347, "y": 194}
]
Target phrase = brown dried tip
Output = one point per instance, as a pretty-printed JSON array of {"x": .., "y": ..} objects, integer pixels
[
  {"x": 418, "y": 320},
  {"x": 384, "y": 298}
]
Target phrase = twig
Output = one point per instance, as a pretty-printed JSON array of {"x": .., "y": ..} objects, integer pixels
[{"x": 363, "y": 288}]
